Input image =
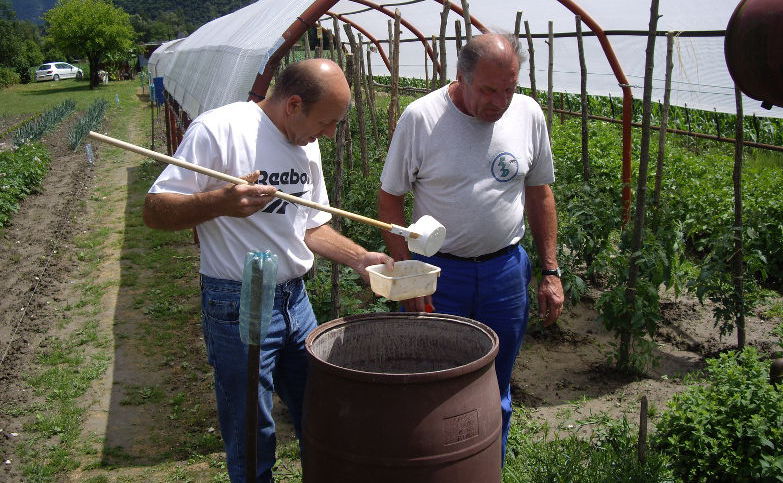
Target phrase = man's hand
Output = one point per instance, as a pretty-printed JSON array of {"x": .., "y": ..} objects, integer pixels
[
  {"x": 550, "y": 299},
  {"x": 243, "y": 200},
  {"x": 419, "y": 304},
  {"x": 373, "y": 258}
]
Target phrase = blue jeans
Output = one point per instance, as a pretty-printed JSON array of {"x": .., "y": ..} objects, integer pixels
[
  {"x": 494, "y": 292},
  {"x": 282, "y": 368}
]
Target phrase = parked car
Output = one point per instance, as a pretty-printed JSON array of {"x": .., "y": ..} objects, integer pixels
[{"x": 56, "y": 71}]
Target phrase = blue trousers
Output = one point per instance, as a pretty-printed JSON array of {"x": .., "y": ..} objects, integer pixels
[
  {"x": 282, "y": 367},
  {"x": 494, "y": 292}
]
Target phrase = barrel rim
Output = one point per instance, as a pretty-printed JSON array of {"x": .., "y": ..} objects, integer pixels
[{"x": 482, "y": 362}]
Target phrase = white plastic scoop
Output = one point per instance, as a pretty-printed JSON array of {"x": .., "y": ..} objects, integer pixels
[{"x": 424, "y": 237}]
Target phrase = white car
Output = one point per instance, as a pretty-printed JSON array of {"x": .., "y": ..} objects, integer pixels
[{"x": 56, "y": 71}]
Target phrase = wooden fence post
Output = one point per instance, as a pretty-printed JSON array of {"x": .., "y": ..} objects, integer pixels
[
  {"x": 338, "y": 45},
  {"x": 583, "y": 96},
  {"x": 435, "y": 73},
  {"x": 336, "y": 201},
  {"x": 306, "y": 41},
  {"x": 355, "y": 71},
  {"x": 549, "y": 101},
  {"x": 531, "y": 61},
  {"x": 737, "y": 258},
  {"x": 642, "y": 444},
  {"x": 319, "y": 32},
  {"x": 458, "y": 35},
  {"x": 394, "y": 101},
  {"x": 466, "y": 17},
  {"x": 444, "y": 18},
  {"x": 667, "y": 89}
]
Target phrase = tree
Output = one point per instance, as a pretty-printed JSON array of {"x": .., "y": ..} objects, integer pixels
[
  {"x": 19, "y": 48},
  {"x": 90, "y": 28}
]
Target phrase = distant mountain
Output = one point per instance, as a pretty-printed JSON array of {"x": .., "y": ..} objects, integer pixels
[
  {"x": 195, "y": 14},
  {"x": 32, "y": 10}
]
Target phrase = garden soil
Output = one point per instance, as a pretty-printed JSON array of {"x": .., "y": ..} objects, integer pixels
[{"x": 563, "y": 372}]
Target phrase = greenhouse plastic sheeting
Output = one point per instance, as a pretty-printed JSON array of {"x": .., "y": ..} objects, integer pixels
[{"x": 217, "y": 64}]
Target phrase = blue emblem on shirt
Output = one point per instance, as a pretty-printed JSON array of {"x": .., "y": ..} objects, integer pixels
[{"x": 504, "y": 167}]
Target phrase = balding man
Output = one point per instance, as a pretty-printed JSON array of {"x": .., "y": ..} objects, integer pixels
[
  {"x": 275, "y": 141},
  {"x": 477, "y": 158}
]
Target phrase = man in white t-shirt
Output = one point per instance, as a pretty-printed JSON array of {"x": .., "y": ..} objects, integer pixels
[
  {"x": 273, "y": 144},
  {"x": 476, "y": 156}
]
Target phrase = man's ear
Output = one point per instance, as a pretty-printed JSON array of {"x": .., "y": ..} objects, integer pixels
[{"x": 293, "y": 105}]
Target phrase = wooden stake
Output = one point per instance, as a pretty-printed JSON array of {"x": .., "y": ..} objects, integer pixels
[
  {"x": 319, "y": 31},
  {"x": 667, "y": 90},
  {"x": 435, "y": 73},
  {"x": 358, "y": 96},
  {"x": 338, "y": 45},
  {"x": 532, "y": 61},
  {"x": 642, "y": 445},
  {"x": 371, "y": 96},
  {"x": 583, "y": 84},
  {"x": 336, "y": 200},
  {"x": 466, "y": 17},
  {"x": 458, "y": 35},
  {"x": 444, "y": 18},
  {"x": 517, "y": 24},
  {"x": 549, "y": 101},
  {"x": 394, "y": 101},
  {"x": 737, "y": 258},
  {"x": 306, "y": 40}
]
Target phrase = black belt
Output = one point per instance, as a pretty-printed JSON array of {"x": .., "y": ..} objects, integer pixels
[{"x": 480, "y": 258}]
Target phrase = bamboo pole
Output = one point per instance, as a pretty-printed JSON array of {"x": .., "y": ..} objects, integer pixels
[
  {"x": 358, "y": 96},
  {"x": 637, "y": 238},
  {"x": 549, "y": 101},
  {"x": 583, "y": 96},
  {"x": 466, "y": 18},
  {"x": 532, "y": 61},
  {"x": 458, "y": 35},
  {"x": 394, "y": 101},
  {"x": 444, "y": 18},
  {"x": 737, "y": 258},
  {"x": 667, "y": 90}
]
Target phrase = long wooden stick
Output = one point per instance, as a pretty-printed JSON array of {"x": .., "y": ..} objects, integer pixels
[{"x": 233, "y": 179}]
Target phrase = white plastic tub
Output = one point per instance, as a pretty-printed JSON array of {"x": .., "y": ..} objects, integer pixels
[{"x": 409, "y": 279}]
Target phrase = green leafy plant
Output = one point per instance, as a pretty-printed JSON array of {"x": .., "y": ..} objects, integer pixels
[
  {"x": 90, "y": 121},
  {"x": 36, "y": 128},
  {"x": 21, "y": 172},
  {"x": 728, "y": 429}
]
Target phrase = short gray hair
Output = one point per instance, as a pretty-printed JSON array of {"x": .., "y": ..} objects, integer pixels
[{"x": 471, "y": 52}]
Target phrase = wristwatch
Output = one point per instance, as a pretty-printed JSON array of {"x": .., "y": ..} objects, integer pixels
[{"x": 551, "y": 271}]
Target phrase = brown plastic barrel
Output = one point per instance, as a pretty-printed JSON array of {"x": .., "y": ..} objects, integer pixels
[
  {"x": 402, "y": 398},
  {"x": 754, "y": 50}
]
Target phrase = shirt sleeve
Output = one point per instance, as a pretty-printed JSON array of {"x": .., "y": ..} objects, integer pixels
[
  {"x": 316, "y": 217},
  {"x": 402, "y": 164},
  {"x": 542, "y": 169},
  {"x": 199, "y": 147}
]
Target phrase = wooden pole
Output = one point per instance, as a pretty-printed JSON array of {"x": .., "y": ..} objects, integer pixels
[
  {"x": 390, "y": 24},
  {"x": 458, "y": 35},
  {"x": 358, "y": 96},
  {"x": 320, "y": 34},
  {"x": 394, "y": 101},
  {"x": 517, "y": 24},
  {"x": 338, "y": 45},
  {"x": 737, "y": 259},
  {"x": 583, "y": 86},
  {"x": 532, "y": 61},
  {"x": 435, "y": 73},
  {"x": 427, "y": 67},
  {"x": 637, "y": 238},
  {"x": 466, "y": 18},
  {"x": 332, "y": 56},
  {"x": 549, "y": 101},
  {"x": 642, "y": 447},
  {"x": 306, "y": 41},
  {"x": 369, "y": 95},
  {"x": 667, "y": 90},
  {"x": 336, "y": 200},
  {"x": 444, "y": 18}
]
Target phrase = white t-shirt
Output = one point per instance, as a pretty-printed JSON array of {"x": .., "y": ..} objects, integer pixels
[
  {"x": 238, "y": 139},
  {"x": 469, "y": 174}
]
